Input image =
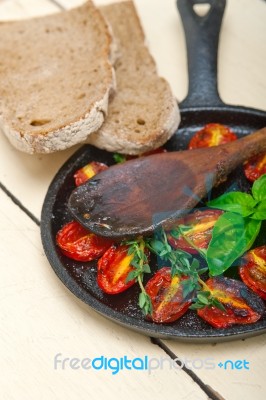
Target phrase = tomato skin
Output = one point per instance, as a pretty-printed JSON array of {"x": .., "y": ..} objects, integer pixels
[
  {"x": 211, "y": 135},
  {"x": 241, "y": 304},
  {"x": 253, "y": 272},
  {"x": 80, "y": 244},
  {"x": 166, "y": 295},
  {"x": 113, "y": 269},
  {"x": 255, "y": 167},
  {"x": 200, "y": 234},
  {"x": 87, "y": 172}
]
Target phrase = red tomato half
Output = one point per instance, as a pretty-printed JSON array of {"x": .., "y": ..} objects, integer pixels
[
  {"x": 255, "y": 167},
  {"x": 253, "y": 273},
  {"x": 200, "y": 224},
  {"x": 211, "y": 135},
  {"x": 113, "y": 269},
  {"x": 241, "y": 304},
  {"x": 166, "y": 293},
  {"x": 88, "y": 171},
  {"x": 79, "y": 244}
]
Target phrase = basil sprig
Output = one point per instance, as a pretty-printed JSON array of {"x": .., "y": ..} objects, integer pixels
[{"x": 236, "y": 230}]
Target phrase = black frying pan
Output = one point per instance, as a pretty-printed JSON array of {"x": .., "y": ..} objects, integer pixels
[
  {"x": 203, "y": 102},
  {"x": 201, "y": 106}
]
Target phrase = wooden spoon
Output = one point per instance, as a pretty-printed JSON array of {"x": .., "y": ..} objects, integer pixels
[{"x": 136, "y": 197}]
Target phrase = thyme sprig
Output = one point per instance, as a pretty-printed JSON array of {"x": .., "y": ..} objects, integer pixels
[
  {"x": 182, "y": 263},
  {"x": 205, "y": 298},
  {"x": 141, "y": 266}
]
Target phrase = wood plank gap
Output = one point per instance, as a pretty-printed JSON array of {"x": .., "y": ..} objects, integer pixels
[
  {"x": 20, "y": 205},
  {"x": 58, "y": 4},
  {"x": 210, "y": 392}
]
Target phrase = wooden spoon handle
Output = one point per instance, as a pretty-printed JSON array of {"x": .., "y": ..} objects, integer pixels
[
  {"x": 232, "y": 154},
  {"x": 238, "y": 151},
  {"x": 251, "y": 144},
  {"x": 220, "y": 161}
]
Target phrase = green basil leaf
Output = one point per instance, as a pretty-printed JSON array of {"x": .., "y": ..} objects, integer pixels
[
  {"x": 232, "y": 236},
  {"x": 259, "y": 188},
  {"x": 238, "y": 202},
  {"x": 260, "y": 211}
]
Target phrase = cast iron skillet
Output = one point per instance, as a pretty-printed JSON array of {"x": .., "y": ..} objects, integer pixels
[{"x": 202, "y": 105}]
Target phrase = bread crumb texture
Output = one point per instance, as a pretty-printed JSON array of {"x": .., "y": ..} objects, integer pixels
[
  {"x": 55, "y": 78},
  {"x": 143, "y": 114}
]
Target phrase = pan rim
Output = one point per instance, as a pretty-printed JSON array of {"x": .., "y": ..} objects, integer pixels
[{"x": 144, "y": 327}]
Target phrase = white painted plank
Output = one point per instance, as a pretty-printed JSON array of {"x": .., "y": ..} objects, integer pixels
[
  {"x": 67, "y": 4},
  {"x": 245, "y": 383},
  {"x": 28, "y": 176},
  {"x": 17, "y": 9},
  {"x": 39, "y": 318},
  {"x": 55, "y": 321}
]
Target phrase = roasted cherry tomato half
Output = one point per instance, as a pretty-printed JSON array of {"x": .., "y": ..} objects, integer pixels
[
  {"x": 166, "y": 293},
  {"x": 253, "y": 272},
  {"x": 198, "y": 230},
  {"x": 242, "y": 306},
  {"x": 88, "y": 171},
  {"x": 255, "y": 167},
  {"x": 113, "y": 269},
  {"x": 79, "y": 244},
  {"x": 211, "y": 135}
]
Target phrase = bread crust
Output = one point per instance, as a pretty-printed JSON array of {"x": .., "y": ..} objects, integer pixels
[
  {"x": 63, "y": 138},
  {"x": 144, "y": 113},
  {"x": 30, "y": 125}
]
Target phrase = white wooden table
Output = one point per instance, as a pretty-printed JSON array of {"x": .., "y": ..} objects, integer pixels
[{"x": 40, "y": 318}]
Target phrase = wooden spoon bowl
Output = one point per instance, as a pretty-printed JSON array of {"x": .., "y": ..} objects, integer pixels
[{"x": 136, "y": 197}]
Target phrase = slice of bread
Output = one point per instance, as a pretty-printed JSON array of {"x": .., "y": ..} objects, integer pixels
[
  {"x": 144, "y": 113},
  {"x": 55, "y": 78}
]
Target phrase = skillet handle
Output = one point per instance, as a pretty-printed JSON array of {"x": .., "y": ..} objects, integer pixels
[{"x": 202, "y": 38}]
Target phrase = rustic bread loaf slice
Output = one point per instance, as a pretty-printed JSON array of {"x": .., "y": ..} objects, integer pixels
[
  {"x": 144, "y": 113},
  {"x": 55, "y": 78}
]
